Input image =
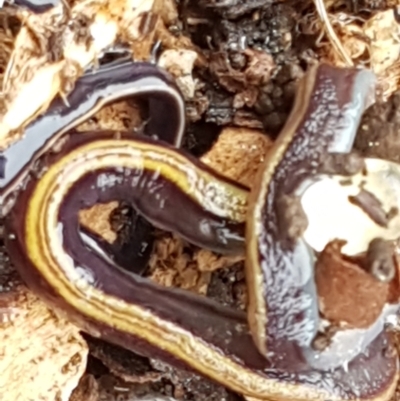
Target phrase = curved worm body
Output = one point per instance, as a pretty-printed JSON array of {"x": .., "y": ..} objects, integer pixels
[
  {"x": 284, "y": 316},
  {"x": 37, "y": 6},
  {"x": 177, "y": 193},
  {"x": 91, "y": 93}
]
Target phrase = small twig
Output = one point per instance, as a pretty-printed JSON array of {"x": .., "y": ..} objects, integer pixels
[
  {"x": 320, "y": 6},
  {"x": 7, "y": 74}
]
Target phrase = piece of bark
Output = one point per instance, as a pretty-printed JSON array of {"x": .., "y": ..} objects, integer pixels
[
  {"x": 42, "y": 356},
  {"x": 347, "y": 294},
  {"x": 238, "y": 153}
]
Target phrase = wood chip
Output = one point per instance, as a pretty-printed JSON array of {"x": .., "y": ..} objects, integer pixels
[
  {"x": 42, "y": 356},
  {"x": 238, "y": 153}
]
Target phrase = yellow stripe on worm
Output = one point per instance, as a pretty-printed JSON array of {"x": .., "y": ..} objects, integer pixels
[
  {"x": 175, "y": 325},
  {"x": 257, "y": 308},
  {"x": 283, "y": 301},
  {"x": 45, "y": 250}
]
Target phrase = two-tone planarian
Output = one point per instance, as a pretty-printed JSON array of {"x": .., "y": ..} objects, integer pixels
[{"x": 268, "y": 355}]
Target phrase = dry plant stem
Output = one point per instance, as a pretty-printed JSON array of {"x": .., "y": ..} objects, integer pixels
[{"x": 320, "y": 6}]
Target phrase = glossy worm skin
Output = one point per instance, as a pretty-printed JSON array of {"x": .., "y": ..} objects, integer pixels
[
  {"x": 93, "y": 91},
  {"x": 36, "y": 6},
  {"x": 181, "y": 328},
  {"x": 284, "y": 317}
]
